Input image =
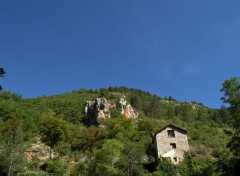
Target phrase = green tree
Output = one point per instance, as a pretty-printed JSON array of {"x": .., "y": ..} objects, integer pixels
[
  {"x": 7, "y": 95},
  {"x": 135, "y": 101},
  {"x": 132, "y": 156},
  {"x": 231, "y": 89},
  {"x": 11, "y": 147},
  {"x": 2, "y": 72},
  {"x": 116, "y": 112},
  {"x": 63, "y": 148},
  {"x": 88, "y": 138},
  {"x": 120, "y": 126},
  {"x": 103, "y": 93},
  {"x": 170, "y": 112},
  {"x": 154, "y": 109},
  {"x": 224, "y": 114},
  {"x": 102, "y": 161},
  {"x": 186, "y": 167},
  {"x": 54, "y": 166},
  {"x": 224, "y": 164},
  {"x": 166, "y": 168},
  {"x": 52, "y": 131}
]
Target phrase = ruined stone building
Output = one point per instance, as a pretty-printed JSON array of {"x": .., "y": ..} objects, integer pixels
[{"x": 171, "y": 142}]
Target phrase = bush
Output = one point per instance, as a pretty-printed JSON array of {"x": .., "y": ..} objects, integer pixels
[
  {"x": 116, "y": 112},
  {"x": 54, "y": 166}
]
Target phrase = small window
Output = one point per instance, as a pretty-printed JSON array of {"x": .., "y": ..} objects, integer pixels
[
  {"x": 171, "y": 133},
  {"x": 175, "y": 159},
  {"x": 173, "y": 145}
]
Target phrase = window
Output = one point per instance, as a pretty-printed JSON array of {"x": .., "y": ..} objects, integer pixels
[
  {"x": 171, "y": 133},
  {"x": 175, "y": 159},
  {"x": 173, "y": 145}
]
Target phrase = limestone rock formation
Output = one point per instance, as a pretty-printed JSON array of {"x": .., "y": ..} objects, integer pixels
[
  {"x": 100, "y": 109},
  {"x": 40, "y": 151},
  {"x": 127, "y": 109}
]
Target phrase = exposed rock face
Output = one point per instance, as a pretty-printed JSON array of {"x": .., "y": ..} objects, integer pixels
[
  {"x": 100, "y": 109},
  {"x": 40, "y": 151},
  {"x": 127, "y": 109}
]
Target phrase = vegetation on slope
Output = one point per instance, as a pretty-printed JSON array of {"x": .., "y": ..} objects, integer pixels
[{"x": 121, "y": 147}]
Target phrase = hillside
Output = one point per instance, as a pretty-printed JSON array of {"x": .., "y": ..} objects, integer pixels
[{"x": 115, "y": 144}]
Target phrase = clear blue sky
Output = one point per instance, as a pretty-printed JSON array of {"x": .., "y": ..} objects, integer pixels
[{"x": 181, "y": 48}]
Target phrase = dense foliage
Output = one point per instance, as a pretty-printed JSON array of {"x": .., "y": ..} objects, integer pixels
[
  {"x": 120, "y": 146},
  {"x": 231, "y": 89},
  {"x": 2, "y": 72}
]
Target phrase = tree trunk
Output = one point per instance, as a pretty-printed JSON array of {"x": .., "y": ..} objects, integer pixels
[
  {"x": 10, "y": 167},
  {"x": 50, "y": 153}
]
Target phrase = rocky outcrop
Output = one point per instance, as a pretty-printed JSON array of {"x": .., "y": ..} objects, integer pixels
[
  {"x": 127, "y": 109},
  {"x": 100, "y": 109},
  {"x": 40, "y": 151}
]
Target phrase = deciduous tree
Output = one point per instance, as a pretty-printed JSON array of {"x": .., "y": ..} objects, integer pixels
[
  {"x": 11, "y": 150},
  {"x": 2, "y": 72},
  {"x": 53, "y": 130},
  {"x": 231, "y": 89}
]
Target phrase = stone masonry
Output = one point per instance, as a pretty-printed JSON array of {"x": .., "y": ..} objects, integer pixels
[{"x": 171, "y": 142}]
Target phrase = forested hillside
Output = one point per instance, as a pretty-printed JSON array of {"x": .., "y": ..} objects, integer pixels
[{"x": 117, "y": 146}]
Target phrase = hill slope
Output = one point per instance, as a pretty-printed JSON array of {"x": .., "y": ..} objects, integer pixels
[{"x": 26, "y": 119}]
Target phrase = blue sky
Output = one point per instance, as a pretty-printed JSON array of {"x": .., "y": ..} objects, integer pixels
[{"x": 184, "y": 49}]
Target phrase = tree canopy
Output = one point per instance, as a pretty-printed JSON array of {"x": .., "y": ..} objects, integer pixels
[
  {"x": 53, "y": 130},
  {"x": 231, "y": 89},
  {"x": 2, "y": 72}
]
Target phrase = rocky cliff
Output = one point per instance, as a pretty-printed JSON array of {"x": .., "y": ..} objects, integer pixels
[
  {"x": 100, "y": 109},
  {"x": 127, "y": 109}
]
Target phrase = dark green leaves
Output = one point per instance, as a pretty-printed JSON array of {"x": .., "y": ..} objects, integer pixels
[
  {"x": 53, "y": 130},
  {"x": 231, "y": 89},
  {"x": 2, "y": 72}
]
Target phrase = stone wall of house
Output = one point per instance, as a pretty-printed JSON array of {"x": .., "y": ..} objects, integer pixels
[{"x": 165, "y": 149}]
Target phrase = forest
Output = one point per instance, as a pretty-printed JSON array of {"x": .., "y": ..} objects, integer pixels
[{"x": 55, "y": 126}]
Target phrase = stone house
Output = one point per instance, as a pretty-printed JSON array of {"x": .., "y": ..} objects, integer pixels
[{"x": 171, "y": 142}]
